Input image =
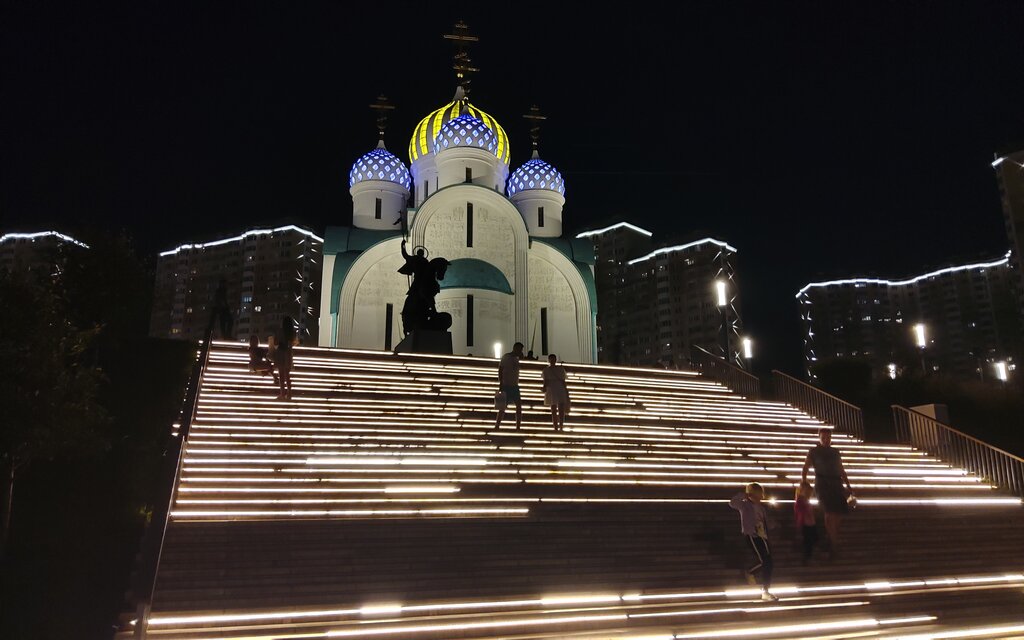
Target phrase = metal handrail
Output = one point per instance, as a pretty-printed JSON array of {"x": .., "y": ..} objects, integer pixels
[
  {"x": 994, "y": 465},
  {"x": 144, "y": 585},
  {"x": 847, "y": 418},
  {"x": 730, "y": 375}
]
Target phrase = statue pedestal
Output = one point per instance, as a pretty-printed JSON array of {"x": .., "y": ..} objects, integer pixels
[{"x": 426, "y": 341}]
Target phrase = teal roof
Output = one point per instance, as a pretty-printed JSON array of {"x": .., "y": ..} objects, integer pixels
[
  {"x": 576, "y": 249},
  {"x": 341, "y": 239},
  {"x": 470, "y": 273}
]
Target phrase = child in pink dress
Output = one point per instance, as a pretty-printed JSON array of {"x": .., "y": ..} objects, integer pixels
[{"x": 804, "y": 512}]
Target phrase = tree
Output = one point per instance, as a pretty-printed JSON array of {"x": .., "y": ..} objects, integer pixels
[{"x": 48, "y": 392}]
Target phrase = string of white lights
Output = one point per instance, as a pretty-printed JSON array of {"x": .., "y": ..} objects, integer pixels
[
  {"x": 41, "y": 234},
  {"x": 247, "y": 234},
  {"x": 899, "y": 283}
]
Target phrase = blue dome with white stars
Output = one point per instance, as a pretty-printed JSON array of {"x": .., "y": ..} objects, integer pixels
[
  {"x": 535, "y": 174},
  {"x": 379, "y": 164},
  {"x": 466, "y": 131}
]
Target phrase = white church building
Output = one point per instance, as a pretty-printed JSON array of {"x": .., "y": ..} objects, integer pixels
[{"x": 513, "y": 276}]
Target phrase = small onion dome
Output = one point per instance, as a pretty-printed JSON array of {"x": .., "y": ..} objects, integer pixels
[
  {"x": 379, "y": 164},
  {"x": 423, "y": 136},
  {"x": 535, "y": 174},
  {"x": 466, "y": 131}
]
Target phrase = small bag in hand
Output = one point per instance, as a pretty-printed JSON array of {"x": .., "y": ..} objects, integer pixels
[{"x": 500, "y": 400}]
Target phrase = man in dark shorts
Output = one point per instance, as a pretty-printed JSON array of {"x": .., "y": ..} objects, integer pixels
[
  {"x": 830, "y": 484},
  {"x": 508, "y": 382}
]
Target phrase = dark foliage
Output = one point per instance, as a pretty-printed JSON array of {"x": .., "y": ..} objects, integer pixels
[{"x": 81, "y": 507}]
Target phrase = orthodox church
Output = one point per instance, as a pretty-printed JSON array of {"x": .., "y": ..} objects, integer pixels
[{"x": 512, "y": 276}]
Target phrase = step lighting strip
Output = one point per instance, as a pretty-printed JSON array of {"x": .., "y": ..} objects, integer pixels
[
  {"x": 814, "y": 627},
  {"x": 352, "y": 513},
  {"x": 590, "y": 599},
  {"x": 623, "y": 617},
  {"x": 973, "y": 632}
]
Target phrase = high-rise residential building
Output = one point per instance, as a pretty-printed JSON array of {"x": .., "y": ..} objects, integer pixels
[
  {"x": 1010, "y": 175},
  {"x": 27, "y": 251},
  {"x": 654, "y": 303},
  {"x": 961, "y": 321},
  {"x": 269, "y": 274},
  {"x": 614, "y": 247}
]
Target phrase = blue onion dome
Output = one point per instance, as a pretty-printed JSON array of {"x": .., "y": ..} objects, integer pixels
[
  {"x": 535, "y": 174},
  {"x": 379, "y": 164},
  {"x": 426, "y": 132},
  {"x": 466, "y": 131}
]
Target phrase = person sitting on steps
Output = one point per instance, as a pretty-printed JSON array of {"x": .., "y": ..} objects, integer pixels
[{"x": 258, "y": 362}]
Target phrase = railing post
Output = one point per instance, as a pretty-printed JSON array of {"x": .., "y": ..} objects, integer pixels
[
  {"x": 724, "y": 372},
  {"x": 846, "y": 417},
  {"x": 141, "y": 621},
  {"x": 993, "y": 465}
]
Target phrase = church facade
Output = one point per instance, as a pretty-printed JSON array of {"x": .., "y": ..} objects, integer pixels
[{"x": 513, "y": 276}]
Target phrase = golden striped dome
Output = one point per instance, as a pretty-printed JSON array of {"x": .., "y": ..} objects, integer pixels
[{"x": 426, "y": 131}]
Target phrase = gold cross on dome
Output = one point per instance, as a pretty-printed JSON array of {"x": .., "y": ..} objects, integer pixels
[
  {"x": 382, "y": 107},
  {"x": 535, "y": 118},
  {"x": 461, "y": 62}
]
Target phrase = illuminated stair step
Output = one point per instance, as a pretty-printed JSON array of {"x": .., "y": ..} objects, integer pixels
[
  {"x": 379, "y": 396},
  {"x": 319, "y": 440},
  {"x": 685, "y": 610}
]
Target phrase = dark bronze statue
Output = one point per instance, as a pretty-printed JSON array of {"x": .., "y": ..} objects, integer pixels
[{"x": 419, "y": 311}]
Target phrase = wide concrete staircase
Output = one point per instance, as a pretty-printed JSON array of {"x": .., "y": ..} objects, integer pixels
[{"x": 381, "y": 502}]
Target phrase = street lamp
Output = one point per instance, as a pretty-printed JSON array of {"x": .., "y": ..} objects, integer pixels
[
  {"x": 748, "y": 348},
  {"x": 921, "y": 339},
  {"x": 919, "y": 333},
  {"x": 723, "y": 307},
  {"x": 1001, "y": 373}
]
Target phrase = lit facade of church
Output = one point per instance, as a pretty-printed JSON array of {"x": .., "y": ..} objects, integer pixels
[{"x": 513, "y": 276}]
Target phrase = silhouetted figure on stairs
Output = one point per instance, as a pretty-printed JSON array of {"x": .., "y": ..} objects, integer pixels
[
  {"x": 831, "y": 484},
  {"x": 220, "y": 313},
  {"x": 508, "y": 384},
  {"x": 284, "y": 358}
]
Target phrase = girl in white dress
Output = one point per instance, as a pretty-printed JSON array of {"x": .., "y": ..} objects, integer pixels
[{"x": 556, "y": 394}]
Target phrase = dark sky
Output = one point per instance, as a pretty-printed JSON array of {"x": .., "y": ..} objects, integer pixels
[{"x": 832, "y": 140}]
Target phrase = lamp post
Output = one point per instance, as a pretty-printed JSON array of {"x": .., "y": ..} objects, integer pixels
[
  {"x": 1002, "y": 375},
  {"x": 748, "y": 350},
  {"x": 921, "y": 339},
  {"x": 722, "y": 298}
]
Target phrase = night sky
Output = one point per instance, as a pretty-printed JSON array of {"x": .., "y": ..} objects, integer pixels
[{"x": 836, "y": 140}]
